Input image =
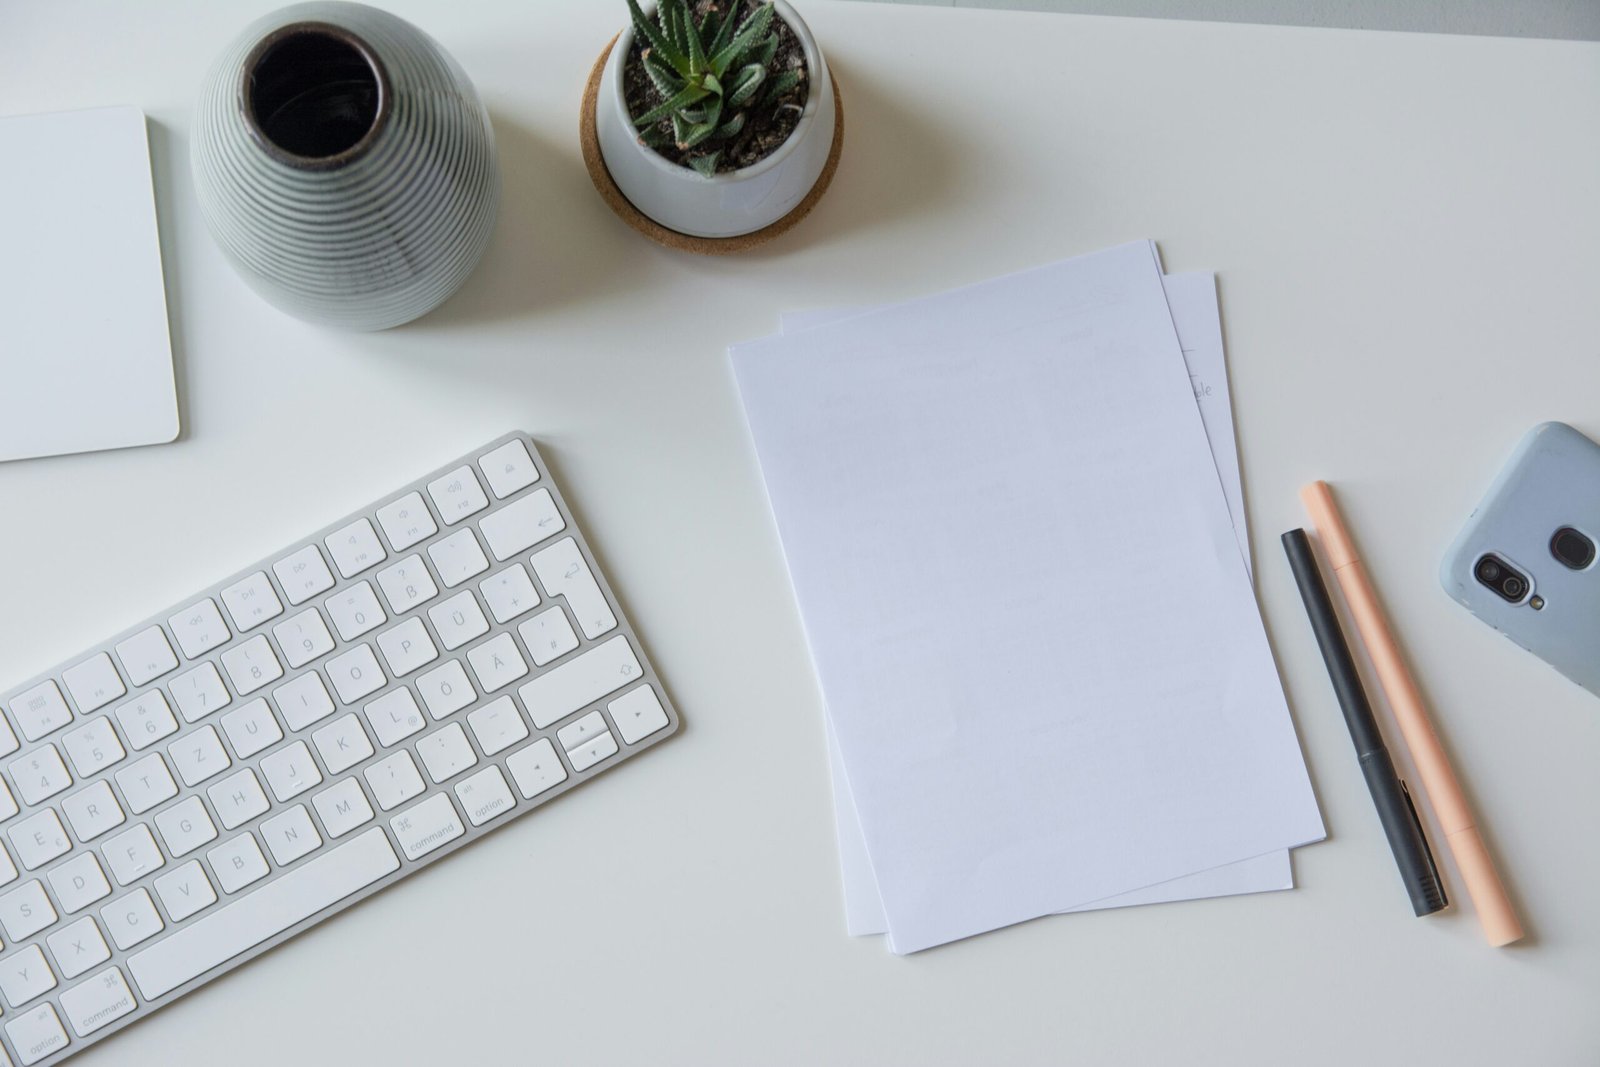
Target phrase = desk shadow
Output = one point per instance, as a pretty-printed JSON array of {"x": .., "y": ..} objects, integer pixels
[{"x": 169, "y": 162}]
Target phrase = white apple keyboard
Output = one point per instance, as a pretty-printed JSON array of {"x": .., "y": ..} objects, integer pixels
[{"x": 275, "y": 748}]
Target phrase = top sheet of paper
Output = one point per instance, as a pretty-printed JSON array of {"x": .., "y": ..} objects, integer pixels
[{"x": 1028, "y": 613}]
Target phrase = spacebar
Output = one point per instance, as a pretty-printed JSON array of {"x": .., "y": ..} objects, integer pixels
[{"x": 267, "y": 912}]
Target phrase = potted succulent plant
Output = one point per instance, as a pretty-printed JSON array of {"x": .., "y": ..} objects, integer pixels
[{"x": 715, "y": 118}]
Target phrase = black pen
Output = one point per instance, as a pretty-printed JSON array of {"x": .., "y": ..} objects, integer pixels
[{"x": 1395, "y": 808}]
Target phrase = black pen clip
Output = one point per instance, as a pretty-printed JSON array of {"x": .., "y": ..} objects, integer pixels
[{"x": 1435, "y": 883}]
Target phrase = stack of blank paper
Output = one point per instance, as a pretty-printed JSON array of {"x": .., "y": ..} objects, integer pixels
[{"x": 1012, "y": 518}]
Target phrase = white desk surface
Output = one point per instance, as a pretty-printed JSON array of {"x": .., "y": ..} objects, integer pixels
[{"x": 1405, "y": 228}]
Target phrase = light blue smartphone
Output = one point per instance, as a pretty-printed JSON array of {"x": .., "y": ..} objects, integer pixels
[{"x": 1525, "y": 563}]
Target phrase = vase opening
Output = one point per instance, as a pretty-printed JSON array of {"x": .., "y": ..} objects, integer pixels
[{"x": 314, "y": 95}]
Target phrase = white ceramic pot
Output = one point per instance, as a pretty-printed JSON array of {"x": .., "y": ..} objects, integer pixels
[{"x": 724, "y": 205}]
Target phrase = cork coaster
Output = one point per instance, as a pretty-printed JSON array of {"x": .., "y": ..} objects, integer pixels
[{"x": 705, "y": 246}]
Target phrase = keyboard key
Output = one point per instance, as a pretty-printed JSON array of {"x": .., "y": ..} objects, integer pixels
[
  {"x": 548, "y": 635},
  {"x": 303, "y": 701},
  {"x": 40, "y": 774},
  {"x": 132, "y": 855},
  {"x": 497, "y": 726},
  {"x": 562, "y": 690},
  {"x": 251, "y": 665},
  {"x": 253, "y": 729},
  {"x": 638, "y": 714},
  {"x": 146, "y": 655},
  {"x": 93, "y": 747},
  {"x": 147, "y": 719},
  {"x": 291, "y": 771},
  {"x": 199, "y": 755},
  {"x": 509, "y": 593},
  {"x": 394, "y": 780},
  {"x": 406, "y": 522},
  {"x": 291, "y": 835},
  {"x": 446, "y": 753},
  {"x": 263, "y": 914},
  {"x": 407, "y": 648},
  {"x": 185, "y": 891},
  {"x": 394, "y": 716},
  {"x": 237, "y": 863},
  {"x": 98, "y": 1002},
  {"x": 38, "y": 839},
  {"x": 78, "y": 947},
  {"x": 8, "y": 745},
  {"x": 423, "y": 828},
  {"x": 355, "y": 611},
  {"x": 93, "y": 811},
  {"x": 355, "y": 548},
  {"x": 303, "y": 638},
  {"x": 94, "y": 683},
  {"x": 342, "y": 743},
  {"x": 581, "y": 731},
  {"x": 587, "y": 755},
  {"x": 25, "y": 911},
  {"x": 36, "y": 1034},
  {"x": 342, "y": 808},
  {"x": 79, "y": 882},
  {"x": 457, "y": 495},
  {"x": 485, "y": 795},
  {"x": 563, "y": 571},
  {"x": 199, "y": 692},
  {"x": 40, "y": 711},
  {"x": 199, "y": 628},
  {"x": 536, "y": 768},
  {"x": 25, "y": 975},
  {"x": 132, "y": 919},
  {"x": 497, "y": 663},
  {"x": 8, "y": 804},
  {"x": 303, "y": 575},
  {"x": 238, "y": 798},
  {"x": 508, "y": 469},
  {"x": 251, "y": 601},
  {"x": 184, "y": 827},
  {"x": 356, "y": 674},
  {"x": 519, "y": 526},
  {"x": 407, "y": 584},
  {"x": 458, "y": 620},
  {"x": 458, "y": 557},
  {"x": 146, "y": 783},
  {"x": 446, "y": 690}
]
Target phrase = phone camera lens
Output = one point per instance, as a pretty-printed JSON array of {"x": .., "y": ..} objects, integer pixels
[
  {"x": 1507, "y": 582},
  {"x": 1512, "y": 587},
  {"x": 1572, "y": 548},
  {"x": 1489, "y": 571}
]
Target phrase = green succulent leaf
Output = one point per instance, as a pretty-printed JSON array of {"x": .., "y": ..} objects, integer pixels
[
  {"x": 697, "y": 47},
  {"x": 745, "y": 84},
  {"x": 725, "y": 28},
  {"x": 654, "y": 137},
  {"x": 780, "y": 85},
  {"x": 763, "y": 51},
  {"x": 657, "y": 42},
  {"x": 754, "y": 28},
  {"x": 671, "y": 13},
  {"x": 730, "y": 129},
  {"x": 690, "y": 94},
  {"x": 662, "y": 76},
  {"x": 706, "y": 166}
]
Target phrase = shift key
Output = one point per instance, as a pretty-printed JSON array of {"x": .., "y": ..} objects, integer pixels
[{"x": 557, "y": 693}]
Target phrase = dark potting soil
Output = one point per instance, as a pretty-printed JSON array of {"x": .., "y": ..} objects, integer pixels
[{"x": 764, "y": 131}]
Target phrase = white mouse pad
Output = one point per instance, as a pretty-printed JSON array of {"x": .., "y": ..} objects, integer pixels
[{"x": 85, "y": 358}]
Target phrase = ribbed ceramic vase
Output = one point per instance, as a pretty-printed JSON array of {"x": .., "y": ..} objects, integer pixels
[{"x": 344, "y": 163}]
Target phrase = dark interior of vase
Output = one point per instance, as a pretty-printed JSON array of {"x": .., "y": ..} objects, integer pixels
[{"x": 314, "y": 94}]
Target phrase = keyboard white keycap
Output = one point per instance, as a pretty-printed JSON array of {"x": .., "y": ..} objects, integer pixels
[
  {"x": 508, "y": 469},
  {"x": 93, "y": 746},
  {"x": 93, "y": 811},
  {"x": 97, "y": 1002},
  {"x": 458, "y": 557},
  {"x": 185, "y": 891},
  {"x": 25, "y": 911},
  {"x": 146, "y": 783},
  {"x": 36, "y": 1034},
  {"x": 251, "y": 665},
  {"x": 509, "y": 593},
  {"x": 406, "y": 522},
  {"x": 290, "y": 771},
  {"x": 638, "y": 714},
  {"x": 407, "y": 584},
  {"x": 251, "y": 601},
  {"x": 485, "y": 795},
  {"x": 446, "y": 753},
  {"x": 342, "y": 808},
  {"x": 446, "y": 690},
  {"x": 497, "y": 725},
  {"x": 133, "y": 854},
  {"x": 342, "y": 743},
  {"x": 356, "y": 674},
  {"x": 303, "y": 701},
  {"x": 548, "y": 635},
  {"x": 78, "y": 947},
  {"x": 8, "y": 803},
  {"x": 40, "y": 774},
  {"x": 355, "y": 548},
  {"x": 457, "y": 495},
  {"x": 147, "y": 719},
  {"x": 25, "y": 975},
  {"x": 355, "y": 611},
  {"x": 303, "y": 575},
  {"x": 427, "y": 826},
  {"x": 394, "y": 716},
  {"x": 238, "y": 798},
  {"x": 94, "y": 683},
  {"x": 263, "y": 914},
  {"x": 581, "y": 681},
  {"x": 185, "y": 826},
  {"x": 199, "y": 692},
  {"x": 147, "y": 655},
  {"x": 199, "y": 755},
  {"x": 38, "y": 839},
  {"x": 587, "y": 755},
  {"x": 199, "y": 628},
  {"x": 458, "y": 621},
  {"x": 497, "y": 663},
  {"x": 536, "y": 768},
  {"x": 581, "y": 731},
  {"x": 519, "y": 526},
  {"x": 291, "y": 835},
  {"x": 79, "y": 882},
  {"x": 238, "y": 863},
  {"x": 303, "y": 638},
  {"x": 563, "y": 571},
  {"x": 131, "y": 919},
  {"x": 407, "y": 648},
  {"x": 252, "y": 728},
  {"x": 40, "y": 711},
  {"x": 8, "y": 745},
  {"x": 394, "y": 780}
]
